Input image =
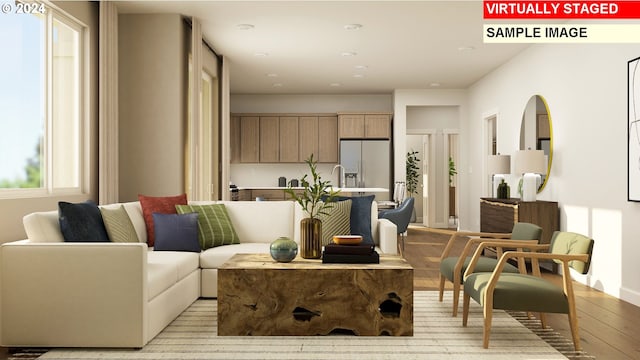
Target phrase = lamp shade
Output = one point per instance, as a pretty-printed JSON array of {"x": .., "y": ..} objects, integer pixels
[
  {"x": 499, "y": 164},
  {"x": 530, "y": 161}
]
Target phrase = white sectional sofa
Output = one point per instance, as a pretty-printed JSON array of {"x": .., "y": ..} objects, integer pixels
[{"x": 60, "y": 294}]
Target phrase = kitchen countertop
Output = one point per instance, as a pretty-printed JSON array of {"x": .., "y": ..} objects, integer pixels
[{"x": 347, "y": 190}]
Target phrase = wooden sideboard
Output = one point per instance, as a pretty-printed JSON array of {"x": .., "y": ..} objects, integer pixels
[{"x": 499, "y": 215}]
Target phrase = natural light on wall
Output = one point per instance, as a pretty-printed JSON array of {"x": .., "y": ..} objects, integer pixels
[
  {"x": 604, "y": 226},
  {"x": 41, "y": 104}
]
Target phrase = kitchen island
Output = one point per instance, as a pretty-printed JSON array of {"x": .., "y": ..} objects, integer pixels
[{"x": 275, "y": 193}]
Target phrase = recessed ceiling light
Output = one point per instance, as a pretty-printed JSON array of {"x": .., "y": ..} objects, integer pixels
[
  {"x": 348, "y": 53},
  {"x": 352, "y": 26},
  {"x": 260, "y": 54},
  {"x": 335, "y": 84},
  {"x": 466, "y": 48},
  {"x": 358, "y": 75},
  {"x": 276, "y": 85},
  {"x": 244, "y": 26},
  {"x": 272, "y": 75},
  {"x": 361, "y": 67},
  {"x": 435, "y": 84}
]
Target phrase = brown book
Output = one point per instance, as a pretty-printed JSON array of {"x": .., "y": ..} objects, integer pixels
[{"x": 359, "y": 249}]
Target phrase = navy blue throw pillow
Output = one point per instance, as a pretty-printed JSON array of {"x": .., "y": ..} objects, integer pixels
[
  {"x": 81, "y": 222},
  {"x": 360, "y": 216},
  {"x": 176, "y": 232}
]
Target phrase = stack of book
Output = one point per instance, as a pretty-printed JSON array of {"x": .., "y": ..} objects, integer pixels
[{"x": 362, "y": 253}]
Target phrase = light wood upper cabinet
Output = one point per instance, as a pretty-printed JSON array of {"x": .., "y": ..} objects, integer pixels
[
  {"x": 292, "y": 138},
  {"x": 309, "y": 137},
  {"x": 289, "y": 139},
  {"x": 269, "y": 139},
  {"x": 328, "y": 139},
  {"x": 364, "y": 125},
  {"x": 377, "y": 126},
  {"x": 234, "y": 130},
  {"x": 351, "y": 126},
  {"x": 249, "y": 139}
]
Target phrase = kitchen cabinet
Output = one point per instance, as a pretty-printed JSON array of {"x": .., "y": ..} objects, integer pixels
[
  {"x": 269, "y": 139},
  {"x": 364, "y": 125},
  {"x": 267, "y": 194},
  {"x": 245, "y": 139},
  {"x": 318, "y": 136},
  {"x": 284, "y": 138},
  {"x": 327, "y": 139},
  {"x": 288, "y": 147}
]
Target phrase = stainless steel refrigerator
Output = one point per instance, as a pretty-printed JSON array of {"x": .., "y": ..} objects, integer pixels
[{"x": 367, "y": 163}]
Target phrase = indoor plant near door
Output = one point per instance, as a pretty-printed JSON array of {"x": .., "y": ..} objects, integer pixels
[
  {"x": 316, "y": 196},
  {"x": 412, "y": 177}
]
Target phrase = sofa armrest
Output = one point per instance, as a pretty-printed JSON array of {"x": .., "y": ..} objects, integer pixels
[
  {"x": 73, "y": 294},
  {"x": 388, "y": 237}
]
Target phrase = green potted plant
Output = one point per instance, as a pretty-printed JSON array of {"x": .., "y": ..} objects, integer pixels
[
  {"x": 315, "y": 198},
  {"x": 412, "y": 177},
  {"x": 413, "y": 174}
]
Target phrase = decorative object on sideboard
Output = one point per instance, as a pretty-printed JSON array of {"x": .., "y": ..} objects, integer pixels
[
  {"x": 282, "y": 181},
  {"x": 498, "y": 166},
  {"x": 283, "y": 249},
  {"x": 311, "y": 199},
  {"x": 530, "y": 164}
]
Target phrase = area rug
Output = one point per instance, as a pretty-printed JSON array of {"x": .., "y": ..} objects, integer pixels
[{"x": 193, "y": 335}]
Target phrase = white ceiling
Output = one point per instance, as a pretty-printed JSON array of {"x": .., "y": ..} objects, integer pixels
[{"x": 402, "y": 44}]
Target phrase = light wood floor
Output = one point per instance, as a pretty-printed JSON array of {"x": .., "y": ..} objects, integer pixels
[{"x": 609, "y": 327}]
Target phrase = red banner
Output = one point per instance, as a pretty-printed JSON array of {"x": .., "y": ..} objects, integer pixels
[{"x": 503, "y": 9}]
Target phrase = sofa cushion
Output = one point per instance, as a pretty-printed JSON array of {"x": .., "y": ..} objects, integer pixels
[
  {"x": 335, "y": 221},
  {"x": 118, "y": 224},
  {"x": 176, "y": 232},
  {"x": 214, "y": 225},
  {"x": 213, "y": 258},
  {"x": 165, "y": 268},
  {"x": 261, "y": 221},
  {"x": 162, "y": 205},
  {"x": 81, "y": 222},
  {"x": 43, "y": 226},
  {"x": 360, "y": 216}
]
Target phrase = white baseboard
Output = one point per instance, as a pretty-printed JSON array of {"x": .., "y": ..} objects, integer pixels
[{"x": 630, "y": 296}]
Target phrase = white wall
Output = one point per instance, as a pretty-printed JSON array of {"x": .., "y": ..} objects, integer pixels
[
  {"x": 152, "y": 104},
  {"x": 586, "y": 90}
]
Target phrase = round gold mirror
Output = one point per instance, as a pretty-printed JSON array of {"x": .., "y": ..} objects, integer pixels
[{"x": 536, "y": 132}]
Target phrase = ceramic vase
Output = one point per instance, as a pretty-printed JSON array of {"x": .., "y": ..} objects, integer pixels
[
  {"x": 310, "y": 238},
  {"x": 283, "y": 249}
]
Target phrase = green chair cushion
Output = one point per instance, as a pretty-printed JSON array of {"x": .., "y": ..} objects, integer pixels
[
  {"x": 518, "y": 292},
  {"x": 526, "y": 231},
  {"x": 485, "y": 264}
]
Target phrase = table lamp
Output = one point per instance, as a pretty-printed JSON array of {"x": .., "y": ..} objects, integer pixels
[
  {"x": 530, "y": 164},
  {"x": 498, "y": 166}
]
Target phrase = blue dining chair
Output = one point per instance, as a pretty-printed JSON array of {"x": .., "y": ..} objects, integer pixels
[{"x": 401, "y": 216}]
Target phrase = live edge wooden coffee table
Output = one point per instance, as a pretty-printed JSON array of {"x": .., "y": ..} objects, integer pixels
[{"x": 258, "y": 296}]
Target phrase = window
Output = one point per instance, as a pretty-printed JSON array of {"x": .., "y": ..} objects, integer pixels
[{"x": 41, "y": 103}]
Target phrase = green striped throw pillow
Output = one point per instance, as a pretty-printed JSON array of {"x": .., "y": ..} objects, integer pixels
[
  {"x": 118, "y": 224},
  {"x": 336, "y": 221},
  {"x": 214, "y": 225}
]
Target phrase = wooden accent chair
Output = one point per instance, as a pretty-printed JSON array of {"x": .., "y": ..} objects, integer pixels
[
  {"x": 453, "y": 267},
  {"x": 531, "y": 293}
]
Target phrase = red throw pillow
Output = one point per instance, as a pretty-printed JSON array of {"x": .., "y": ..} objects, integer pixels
[{"x": 161, "y": 205}]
